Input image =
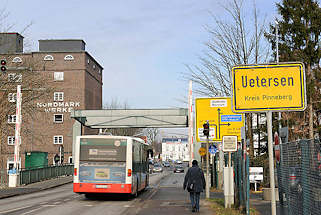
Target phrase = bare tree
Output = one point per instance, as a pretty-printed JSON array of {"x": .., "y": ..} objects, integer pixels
[
  {"x": 152, "y": 137},
  {"x": 232, "y": 42}
]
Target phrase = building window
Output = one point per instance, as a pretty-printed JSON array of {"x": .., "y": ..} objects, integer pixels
[
  {"x": 58, "y": 76},
  {"x": 88, "y": 61},
  {"x": 58, "y": 96},
  {"x": 94, "y": 66},
  {"x": 12, "y": 118},
  {"x": 58, "y": 139},
  {"x": 70, "y": 159},
  {"x": 11, "y": 140},
  {"x": 69, "y": 57},
  {"x": 17, "y": 59},
  {"x": 48, "y": 58},
  {"x": 12, "y": 97},
  {"x": 13, "y": 77},
  {"x": 58, "y": 118}
]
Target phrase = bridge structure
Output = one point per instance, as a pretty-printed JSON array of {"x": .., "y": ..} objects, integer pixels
[{"x": 128, "y": 118}]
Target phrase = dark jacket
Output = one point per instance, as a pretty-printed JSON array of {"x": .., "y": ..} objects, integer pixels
[{"x": 196, "y": 176}]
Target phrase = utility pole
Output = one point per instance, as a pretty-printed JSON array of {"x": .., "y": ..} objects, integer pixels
[
  {"x": 190, "y": 124},
  {"x": 277, "y": 58}
]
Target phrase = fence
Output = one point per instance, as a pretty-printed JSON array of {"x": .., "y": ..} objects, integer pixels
[
  {"x": 241, "y": 180},
  {"x": 29, "y": 176},
  {"x": 299, "y": 177}
]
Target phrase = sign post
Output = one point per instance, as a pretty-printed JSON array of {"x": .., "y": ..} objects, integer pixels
[
  {"x": 229, "y": 145},
  {"x": 268, "y": 88}
]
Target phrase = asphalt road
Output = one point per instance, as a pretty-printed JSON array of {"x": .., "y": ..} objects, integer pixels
[{"x": 164, "y": 187}]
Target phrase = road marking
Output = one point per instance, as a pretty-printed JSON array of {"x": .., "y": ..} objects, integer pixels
[
  {"x": 31, "y": 211},
  {"x": 88, "y": 205},
  {"x": 16, "y": 209}
]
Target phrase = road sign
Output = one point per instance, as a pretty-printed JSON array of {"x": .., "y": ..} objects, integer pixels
[
  {"x": 212, "y": 149},
  {"x": 202, "y": 151},
  {"x": 271, "y": 87},
  {"x": 222, "y": 120},
  {"x": 256, "y": 174},
  {"x": 229, "y": 143}
]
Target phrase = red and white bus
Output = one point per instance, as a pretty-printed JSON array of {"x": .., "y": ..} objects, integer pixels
[{"x": 110, "y": 164}]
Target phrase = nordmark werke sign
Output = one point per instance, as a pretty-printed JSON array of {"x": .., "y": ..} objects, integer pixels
[{"x": 271, "y": 87}]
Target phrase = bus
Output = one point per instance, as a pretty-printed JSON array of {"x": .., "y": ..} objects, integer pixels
[{"x": 110, "y": 164}]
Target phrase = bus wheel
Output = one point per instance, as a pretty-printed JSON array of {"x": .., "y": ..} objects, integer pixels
[{"x": 88, "y": 196}]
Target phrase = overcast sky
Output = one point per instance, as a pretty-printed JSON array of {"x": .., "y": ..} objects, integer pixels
[{"x": 143, "y": 45}]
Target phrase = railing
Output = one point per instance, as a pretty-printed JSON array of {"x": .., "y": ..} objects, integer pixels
[
  {"x": 3, "y": 178},
  {"x": 33, "y": 175}
]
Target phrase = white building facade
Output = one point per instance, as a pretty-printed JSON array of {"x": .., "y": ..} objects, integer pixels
[{"x": 175, "y": 148}]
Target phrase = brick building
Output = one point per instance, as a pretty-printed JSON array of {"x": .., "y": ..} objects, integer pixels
[{"x": 73, "y": 80}]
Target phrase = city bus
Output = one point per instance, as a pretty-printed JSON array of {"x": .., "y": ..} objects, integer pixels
[{"x": 110, "y": 164}]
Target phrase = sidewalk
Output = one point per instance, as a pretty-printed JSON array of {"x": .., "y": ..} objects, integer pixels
[
  {"x": 256, "y": 202},
  {"x": 35, "y": 187}
]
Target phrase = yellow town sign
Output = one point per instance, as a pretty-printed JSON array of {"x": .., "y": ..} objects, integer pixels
[{"x": 258, "y": 88}]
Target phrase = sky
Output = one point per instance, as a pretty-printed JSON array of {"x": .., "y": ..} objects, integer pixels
[{"x": 143, "y": 45}]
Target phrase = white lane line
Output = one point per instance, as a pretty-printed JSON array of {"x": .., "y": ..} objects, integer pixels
[
  {"x": 89, "y": 205},
  {"x": 28, "y": 212},
  {"x": 12, "y": 210}
]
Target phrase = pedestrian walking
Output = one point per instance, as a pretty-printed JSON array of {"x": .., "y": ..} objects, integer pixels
[{"x": 195, "y": 183}]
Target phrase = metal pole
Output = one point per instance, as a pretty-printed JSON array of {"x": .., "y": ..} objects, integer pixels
[
  {"x": 190, "y": 124},
  {"x": 277, "y": 57},
  {"x": 18, "y": 129},
  {"x": 271, "y": 162},
  {"x": 207, "y": 187},
  {"x": 221, "y": 165}
]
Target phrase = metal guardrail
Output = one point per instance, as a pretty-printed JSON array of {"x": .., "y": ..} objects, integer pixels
[
  {"x": 28, "y": 176},
  {"x": 3, "y": 178}
]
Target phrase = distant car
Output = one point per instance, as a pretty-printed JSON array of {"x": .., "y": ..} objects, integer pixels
[
  {"x": 178, "y": 168},
  {"x": 157, "y": 168},
  {"x": 166, "y": 164},
  {"x": 179, "y": 162}
]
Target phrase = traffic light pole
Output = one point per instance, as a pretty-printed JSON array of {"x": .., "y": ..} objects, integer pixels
[{"x": 207, "y": 187}]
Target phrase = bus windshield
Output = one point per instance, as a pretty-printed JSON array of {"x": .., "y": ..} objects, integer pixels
[{"x": 102, "y": 149}]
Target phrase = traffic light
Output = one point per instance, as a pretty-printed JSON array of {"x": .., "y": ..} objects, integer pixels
[
  {"x": 206, "y": 129},
  {"x": 3, "y": 65}
]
